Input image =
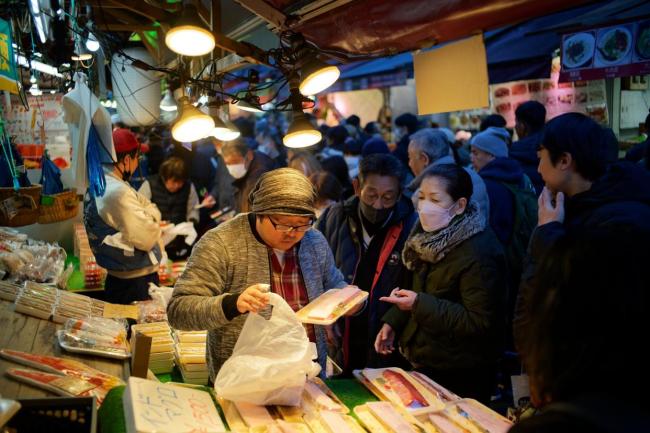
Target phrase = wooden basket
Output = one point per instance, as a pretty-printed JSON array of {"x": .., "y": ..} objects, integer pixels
[
  {"x": 26, "y": 215},
  {"x": 58, "y": 207}
]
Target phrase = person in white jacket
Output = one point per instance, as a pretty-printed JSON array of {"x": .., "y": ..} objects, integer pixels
[{"x": 124, "y": 227}]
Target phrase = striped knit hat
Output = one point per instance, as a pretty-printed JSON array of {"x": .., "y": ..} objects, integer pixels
[{"x": 284, "y": 191}]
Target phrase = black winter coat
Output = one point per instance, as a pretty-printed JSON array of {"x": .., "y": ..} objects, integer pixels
[
  {"x": 525, "y": 151},
  {"x": 458, "y": 320},
  {"x": 619, "y": 201}
]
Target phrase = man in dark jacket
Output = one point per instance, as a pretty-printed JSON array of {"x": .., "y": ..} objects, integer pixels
[
  {"x": 245, "y": 166},
  {"x": 529, "y": 122},
  {"x": 366, "y": 234},
  {"x": 582, "y": 191}
]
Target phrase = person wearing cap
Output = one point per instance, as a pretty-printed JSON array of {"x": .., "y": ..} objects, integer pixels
[
  {"x": 232, "y": 266},
  {"x": 123, "y": 227},
  {"x": 513, "y": 203}
]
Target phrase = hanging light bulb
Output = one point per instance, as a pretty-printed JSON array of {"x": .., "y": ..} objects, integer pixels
[
  {"x": 168, "y": 103},
  {"x": 225, "y": 130},
  {"x": 32, "y": 79},
  {"x": 317, "y": 76},
  {"x": 247, "y": 106},
  {"x": 301, "y": 132},
  {"x": 34, "y": 90},
  {"x": 52, "y": 92},
  {"x": 188, "y": 36},
  {"x": 192, "y": 123},
  {"x": 80, "y": 53},
  {"x": 92, "y": 43}
]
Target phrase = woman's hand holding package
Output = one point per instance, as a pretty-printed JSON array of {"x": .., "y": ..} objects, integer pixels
[
  {"x": 253, "y": 299},
  {"x": 384, "y": 343},
  {"x": 404, "y": 299}
]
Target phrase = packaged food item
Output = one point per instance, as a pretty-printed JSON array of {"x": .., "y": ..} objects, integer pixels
[
  {"x": 397, "y": 386},
  {"x": 434, "y": 388},
  {"x": 318, "y": 395},
  {"x": 102, "y": 382},
  {"x": 331, "y": 305},
  {"x": 190, "y": 356},
  {"x": 332, "y": 422},
  {"x": 96, "y": 336},
  {"x": 381, "y": 416},
  {"x": 9, "y": 291},
  {"x": 161, "y": 359},
  {"x": 474, "y": 417}
]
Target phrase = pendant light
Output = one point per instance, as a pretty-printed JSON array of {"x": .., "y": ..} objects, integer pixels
[
  {"x": 192, "y": 123},
  {"x": 301, "y": 133},
  {"x": 188, "y": 36},
  {"x": 92, "y": 43},
  {"x": 317, "y": 76},
  {"x": 168, "y": 103},
  {"x": 247, "y": 106},
  {"x": 225, "y": 130}
]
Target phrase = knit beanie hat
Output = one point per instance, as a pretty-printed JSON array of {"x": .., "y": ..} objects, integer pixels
[
  {"x": 374, "y": 145},
  {"x": 493, "y": 140},
  {"x": 284, "y": 191}
]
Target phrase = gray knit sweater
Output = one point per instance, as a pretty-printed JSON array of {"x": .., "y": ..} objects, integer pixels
[{"x": 228, "y": 259}]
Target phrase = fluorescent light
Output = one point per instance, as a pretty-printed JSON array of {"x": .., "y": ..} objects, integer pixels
[{"x": 38, "y": 66}]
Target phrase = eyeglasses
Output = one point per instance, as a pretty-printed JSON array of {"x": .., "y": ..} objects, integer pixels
[{"x": 286, "y": 228}]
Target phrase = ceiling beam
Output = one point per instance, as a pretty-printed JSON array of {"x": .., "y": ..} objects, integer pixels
[
  {"x": 118, "y": 27},
  {"x": 141, "y": 8},
  {"x": 265, "y": 11},
  {"x": 248, "y": 51}
]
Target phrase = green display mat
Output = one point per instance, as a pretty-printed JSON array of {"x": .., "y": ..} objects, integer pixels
[{"x": 111, "y": 414}]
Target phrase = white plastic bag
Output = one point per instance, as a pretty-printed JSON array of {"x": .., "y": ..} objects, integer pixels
[{"x": 271, "y": 360}]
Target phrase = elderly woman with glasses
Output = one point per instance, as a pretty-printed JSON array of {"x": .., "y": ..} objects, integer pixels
[{"x": 233, "y": 266}]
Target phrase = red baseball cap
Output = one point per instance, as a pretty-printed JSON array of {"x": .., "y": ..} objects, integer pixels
[{"x": 124, "y": 140}]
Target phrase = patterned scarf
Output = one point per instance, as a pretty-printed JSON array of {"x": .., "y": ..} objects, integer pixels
[{"x": 431, "y": 247}]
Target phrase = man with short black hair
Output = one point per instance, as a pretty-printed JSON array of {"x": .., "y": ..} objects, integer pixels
[
  {"x": 583, "y": 190},
  {"x": 529, "y": 123},
  {"x": 366, "y": 234}
]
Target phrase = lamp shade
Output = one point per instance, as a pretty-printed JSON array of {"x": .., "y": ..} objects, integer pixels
[
  {"x": 317, "y": 76},
  {"x": 247, "y": 106},
  {"x": 192, "y": 123},
  {"x": 301, "y": 132},
  {"x": 188, "y": 36},
  {"x": 168, "y": 103},
  {"x": 225, "y": 130}
]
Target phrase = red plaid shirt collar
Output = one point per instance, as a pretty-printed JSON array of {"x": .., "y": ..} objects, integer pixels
[{"x": 287, "y": 281}]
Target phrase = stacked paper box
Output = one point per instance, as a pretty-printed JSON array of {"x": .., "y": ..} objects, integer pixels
[
  {"x": 156, "y": 407},
  {"x": 190, "y": 356},
  {"x": 161, "y": 358},
  {"x": 94, "y": 274}
]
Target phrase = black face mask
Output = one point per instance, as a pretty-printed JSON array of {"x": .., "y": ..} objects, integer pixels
[
  {"x": 126, "y": 175},
  {"x": 374, "y": 216}
]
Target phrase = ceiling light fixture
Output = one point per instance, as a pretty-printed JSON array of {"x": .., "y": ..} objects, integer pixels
[
  {"x": 168, "y": 103},
  {"x": 317, "y": 76},
  {"x": 92, "y": 43},
  {"x": 192, "y": 123},
  {"x": 188, "y": 36},
  {"x": 225, "y": 130},
  {"x": 247, "y": 106},
  {"x": 80, "y": 54},
  {"x": 35, "y": 91},
  {"x": 301, "y": 132}
]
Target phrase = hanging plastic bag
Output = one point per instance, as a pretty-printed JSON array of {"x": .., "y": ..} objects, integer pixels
[
  {"x": 271, "y": 361},
  {"x": 50, "y": 177}
]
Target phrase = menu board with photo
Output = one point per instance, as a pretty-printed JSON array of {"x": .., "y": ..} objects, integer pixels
[
  {"x": 39, "y": 127},
  {"x": 614, "y": 51},
  {"x": 586, "y": 97}
]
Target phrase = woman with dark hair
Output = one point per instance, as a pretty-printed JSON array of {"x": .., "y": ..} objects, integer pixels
[
  {"x": 339, "y": 168},
  {"x": 583, "y": 351},
  {"x": 328, "y": 190},
  {"x": 450, "y": 323}
]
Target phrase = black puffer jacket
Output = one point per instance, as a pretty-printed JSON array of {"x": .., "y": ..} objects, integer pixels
[
  {"x": 458, "y": 320},
  {"x": 618, "y": 201}
]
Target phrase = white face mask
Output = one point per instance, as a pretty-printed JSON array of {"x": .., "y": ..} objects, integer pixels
[
  {"x": 237, "y": 170},
  {"x": 434, "y": 217}
]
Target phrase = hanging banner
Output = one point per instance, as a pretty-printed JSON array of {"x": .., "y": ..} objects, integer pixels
[
  {"x": 8, "y": 77},
  {"x": 609, "y": 52}
]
